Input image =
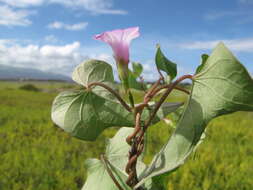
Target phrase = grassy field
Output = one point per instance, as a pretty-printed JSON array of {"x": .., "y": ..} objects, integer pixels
[{"x": 37, "y": 155}]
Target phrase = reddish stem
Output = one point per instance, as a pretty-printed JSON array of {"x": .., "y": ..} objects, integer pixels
[
  {"x": 123, "y": 103},
  {"x": 150, "y": 92},
  {"x": 136, "y": 139},
  {"x": 162, "y": 99},
  {"x": 168, "y": 86}
]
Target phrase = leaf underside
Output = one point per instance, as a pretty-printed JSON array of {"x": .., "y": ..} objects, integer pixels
[
  {"x": 221, "y": 86},
  {"x": 85, "y": 115},
  {"x": 117, "y": 154},
  {"x": 95, "y": 71}
]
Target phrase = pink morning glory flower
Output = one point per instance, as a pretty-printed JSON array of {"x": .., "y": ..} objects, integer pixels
[{"x": 120, "y": 41}]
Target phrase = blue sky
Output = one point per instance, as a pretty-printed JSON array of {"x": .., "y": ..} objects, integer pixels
[{"x": 56, "y": 35}]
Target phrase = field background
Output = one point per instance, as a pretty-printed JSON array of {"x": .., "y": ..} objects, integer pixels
[{"x": 37, "y": 155}]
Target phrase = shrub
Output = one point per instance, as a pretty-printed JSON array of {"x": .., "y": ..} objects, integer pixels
[{"x": 29, "y": 87}]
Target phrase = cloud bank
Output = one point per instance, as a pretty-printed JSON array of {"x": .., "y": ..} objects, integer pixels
[
  {"x": 58, "y": 59},
  {"x": 239, "y": 45},
  {"x": 11, "y": 17},
  {"x": 73, "y": 27},
  {"x": 92, "y": 6}
]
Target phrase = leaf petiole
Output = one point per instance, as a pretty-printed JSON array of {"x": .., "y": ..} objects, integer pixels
[
  {"x": 107, "y": 163},
  {"x": 123, "y": 103}
]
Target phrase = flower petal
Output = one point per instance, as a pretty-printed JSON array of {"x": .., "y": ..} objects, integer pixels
[
  {"x": 119, "y": 40},
  {"x": 131, "y": 33}
]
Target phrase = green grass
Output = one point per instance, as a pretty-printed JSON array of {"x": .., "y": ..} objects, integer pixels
[{"x": 37, "y": 155}]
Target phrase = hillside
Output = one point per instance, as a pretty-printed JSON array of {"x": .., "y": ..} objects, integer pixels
[{"x": 17, "y": 73}]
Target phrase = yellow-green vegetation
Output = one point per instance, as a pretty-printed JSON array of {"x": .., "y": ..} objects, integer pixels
[{"x": 37, "y": 155}]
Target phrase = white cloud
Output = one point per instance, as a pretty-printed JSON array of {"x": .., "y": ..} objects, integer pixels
[
  {"x": 59, "y": 51},
  {"x": 73, "y": 27},
  {"x": 93, "y": 6},
  {"x": 23, "y": 3},
  {"x": 60, "y": 59},
  {"x": 13, "y": 12},
  {"x": 11, "y": 17},
  {"x": 240, "y": 45},
  {"x": 149, "y": 71}
]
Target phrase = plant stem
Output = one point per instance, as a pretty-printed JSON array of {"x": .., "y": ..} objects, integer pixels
[
  {"x": 131, "y": 98},
  {"x": 142, "y": 84},
  {"x": 168, "y": 86},
  {"x": 136, "y": 139},
  {"x": 161, "y": 75},
  {"x": 164, "y": 96},
  {"x": 133, "y": 153},
  {"x": 106, "y": 162},
  {"x": 182, "y": 90},
  {"x": 150, "y": 92},
  {"x": 123, "y": 103}
]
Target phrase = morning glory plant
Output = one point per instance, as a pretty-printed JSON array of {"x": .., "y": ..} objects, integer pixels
[{"x": 220, "y": 85}]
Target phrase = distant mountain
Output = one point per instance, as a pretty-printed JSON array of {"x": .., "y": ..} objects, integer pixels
[{"x": 17, "y": 73}]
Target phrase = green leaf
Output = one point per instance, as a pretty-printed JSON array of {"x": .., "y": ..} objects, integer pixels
[
  {"x": 85, "y": 115},
  {"x": 117, "y": 150},
  {"x": 98, "y": 177},
  {"x": 222, "y": 86},
  {"x": 133, "y": 75},
  {"x": 201, "y": 140},
  {"x": 133, "y": 83},
  {"x": 92, "y": 71},
  {"x": 117, "y": 154},
  {"x": 164, "y": 64},
  {"x": 137, "y": 69},
  {"x": 174, "y": 117},
  {"x": 95, "y": 71},
  {"x": 204, "y": 58},
  {"x": 165, "y": 109}
]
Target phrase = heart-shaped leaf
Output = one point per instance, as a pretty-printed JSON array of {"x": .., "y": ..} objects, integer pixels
[
  {"x": 222, "y": 86},
  {"x": 92, "y": 71},
  {"x": 95, "y": 71},
  {"x": 98, "y": 177},
  {"x": 165, "y": 64},
  {"x": 85, "y": 115},
  {"x": 117, "y": 154}
]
